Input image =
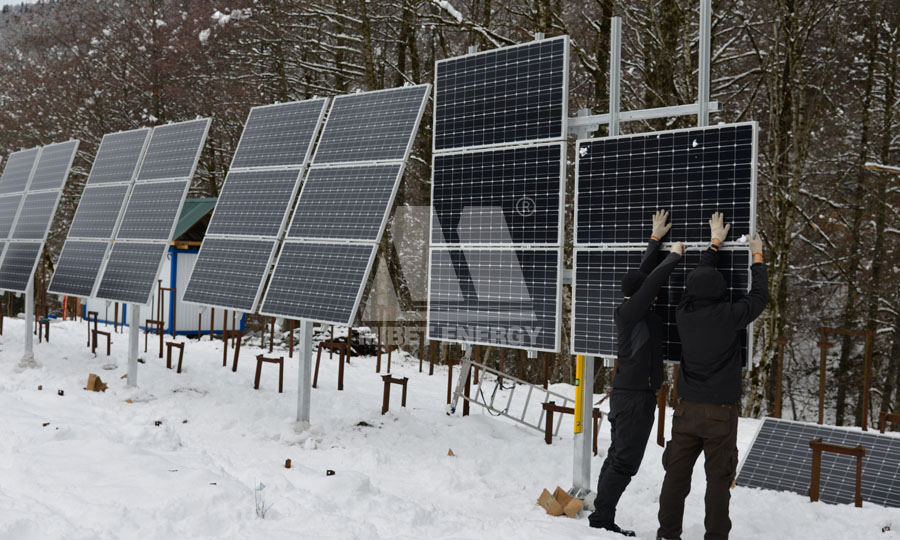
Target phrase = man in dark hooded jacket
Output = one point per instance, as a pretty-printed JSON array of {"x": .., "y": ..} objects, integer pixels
[
  {"x": 709, "y": 325},
  {"x": 638, "y": 377}
]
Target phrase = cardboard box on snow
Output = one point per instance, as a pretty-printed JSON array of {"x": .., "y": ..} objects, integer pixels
[{"x": 560, "y": 503}]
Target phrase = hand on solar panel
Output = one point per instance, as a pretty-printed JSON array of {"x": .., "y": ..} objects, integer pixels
[
  {"x": 755, "y": 244},
  {"x": 660, "y": 227},
  {"x": 677, "y": 248},
  {"x": 717, "y": 228}
]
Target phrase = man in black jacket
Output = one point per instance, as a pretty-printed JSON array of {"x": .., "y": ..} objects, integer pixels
[
  {"x": 638, "y": 377},
  {"x": 709, "y": 326}
]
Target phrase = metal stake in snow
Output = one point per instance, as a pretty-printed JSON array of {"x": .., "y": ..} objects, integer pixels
[
  {"x": 304, "y": 380},
  {"x": 28, "y": 360},
  {"x": 134, "y": 333}
]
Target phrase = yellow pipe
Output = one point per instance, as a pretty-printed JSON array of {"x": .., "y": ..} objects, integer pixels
[{"x": 579, "y": 393}]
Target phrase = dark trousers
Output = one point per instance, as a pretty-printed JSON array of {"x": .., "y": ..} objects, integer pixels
[
  {"x": 711, "y": 429},
  {"x": 630, "y": 422}
]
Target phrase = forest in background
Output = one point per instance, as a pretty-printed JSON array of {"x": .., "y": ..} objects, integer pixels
[{"x": 821, "y": 78}]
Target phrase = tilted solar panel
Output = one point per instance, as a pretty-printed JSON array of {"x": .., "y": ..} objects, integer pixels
[
  {"x": 53, "y": 166},
  {"x": 118, "y": 157},
  {"x": 98, "y": 211},
  {"x": 279, "y": 135},
  {"x": 18, "y": 265},
  {"x": 78, "y": 266},
  {"x": 36, "y": 215},
  {"x": 173, "y": 150},
  {"x": 18, "y": 171},
  {"x": 9, "y": 205},
  {"x": 152, "y": 210},
  {"x": 131, "y": 271},
  {"x": 229, "y": 273},
  {"x": 254, "y": 203}
]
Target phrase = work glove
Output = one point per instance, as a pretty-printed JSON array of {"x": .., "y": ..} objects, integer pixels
[
  {"x": 678, "y": 248},
  {"x": 717, "y": 228},
  {"x": 755, "y": 244},
  {"x": 660, "y": 227}
]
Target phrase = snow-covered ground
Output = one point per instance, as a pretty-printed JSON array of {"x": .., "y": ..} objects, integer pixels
[{"x": 102, "y": 469}]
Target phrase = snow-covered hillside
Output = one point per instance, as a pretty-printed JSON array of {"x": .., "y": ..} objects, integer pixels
[{"x": 102, "y": 469}]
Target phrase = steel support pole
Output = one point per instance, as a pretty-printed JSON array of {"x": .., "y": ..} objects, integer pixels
[
  {"x": 581, "y": 471},
  {"x": 134, "y": 336},
  {"x": 703, "y": 62},
  {"x": 28, "y": 360},
  {"x": 615, "y": 74},
  {"x": 465, "y": 365},
  {"x": 304, "y": 380}
]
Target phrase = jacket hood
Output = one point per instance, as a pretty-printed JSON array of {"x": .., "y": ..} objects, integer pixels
[{"x": 705, "y": 285}]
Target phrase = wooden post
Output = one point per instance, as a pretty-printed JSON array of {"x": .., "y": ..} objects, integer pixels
[
  {"x": 212, "y": 322},
  {"x": 449, "y": 378},
  {"x": 468, "y": 388},
  {"x": 870, "y": 337},
  {"x": 291, "y": 338},
  {"x": 272, "y": 335},
  {"x": 199, "y": 325},
  {"x": 824, "y": 346},
  {"x": 378, "y": 359},
  {"x": 116, "y": 319},
  {"x": 546, "y": 370},
  {"x": 432, "y": 353},
  {"x": 476, "y": 355},
  {"x": 886, "y": 417},
  {"x": 818, "y": 447},
  {"x": 779, "y": 375},
  {"x": 421, "y": 349},
  {"x": 661, "y": 422},
  {"x": 390, "y": 348},
  {"x": 386, "y": 402},
  {"x": 548, "y": 426}
]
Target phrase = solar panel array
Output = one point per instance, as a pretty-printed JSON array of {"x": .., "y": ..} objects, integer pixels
[
  {"x": 780, "y": 459},
  {"x": 598, "y": 294},
  {"x": 115, "y": 166},
  {"x": 152, "y": 210},
  {"x": 38, "y": 176},
  {"x": 253, "y": 206},
  {"x": 498, "y": 181},
  {"x": 344, "y": 205},
  {"x": 621, "y": 181}
]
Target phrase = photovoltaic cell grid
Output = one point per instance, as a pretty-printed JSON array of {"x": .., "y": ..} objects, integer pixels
[
  {"x": 78, "y": 266},
  {"x": 173, "y": 150},
  {"x": 9, "y": 205},
  {"x": 597, "y": 294},
  {"x": 345, "y": 202},
  {"x": 318, "y": 282},
  {"x": 374, "y": 126},
  {"x": 692, "y": 173},
  {"x": 131, "y": 272},
  {"x": 279, "y": 135},
  {"x": 495, "y": 297},
  {"x": 371, "y": 126},
  {"x": 18, "y": 171},
  {"x": 98, "y": 211},
  {"x": 508, "y": 196},
  {"x": 36, "y": 215},
  {"x": 118, "y": 157},
  {"x": 254, "y": 203},
  {"x": 53, "y": 166},
  {"x": 18, "y": 264},
  {"x": 152, "y": 210},
  {"x": 502, "y": 96},
  {"x": 780, "y": 459},
  {"x": 230, "y": 272}
]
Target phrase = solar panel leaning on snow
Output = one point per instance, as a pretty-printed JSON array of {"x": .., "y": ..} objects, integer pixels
[
  {"x": 780, "y": 459},
  {"x": 321, "y": 272},
  {"x": 621, "y": 181},
  {"x": 98, "y": 213},
  {"x": 152, "y": 211},
  {"x": 254, "y": 204},
  {"x": 32, "y": 224},
  {"x": 498, "y": 181}
]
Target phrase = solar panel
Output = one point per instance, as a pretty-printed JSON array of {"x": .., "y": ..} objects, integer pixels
[
  {"x": 499, "y": 297},
  {"x": 131, "y": 272},
  {"x": 18, "y": 171},
  {"x": 279, "y": 135},
  {"x": 36, "y": 215},
  {"x": 502, "y": 96},
  {"x": 692, "y": 173},
  {"x": 173, "y": 150},
  {"x": 18, "y": 265},
  {"x": 53, "y": 166},
  {"x": 98, "y": 211},
  {"x": 77, "y": 268},
  {"x": 254, "y": 203},
  {"x": 229, "y": 273},
  {"x": 351, "y": 203},
  {"x": 9, "y": 205},
  {"x": 152, "y": 210},
  {"x": 372, "y": 126},
  {"x": 780, "y": 459},
  {"x": 318, "y": 282},
  {"x": 118, "y": 156},
  {"x": 597, "y": 293},
  {"x": 508, "y": 196}
]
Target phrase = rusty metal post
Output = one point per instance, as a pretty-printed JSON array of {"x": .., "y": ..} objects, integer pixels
[
  {"x": 661, "y": 422},
  {"x": 548, "y": 426},
  {"x": 212, "y": 322},
  {"x": 824, "y": 346},
  {"x": 390, "y": 348},
  {"x": 870, "y": 338},
  {"x": 432, "y": 352},
  {"x": 818, "y": 446},
  {"x": 386, "y": 402},
  {"x": 465, "y": 411},
  {"x": 291, "y": 338},
  {"x": 421, "y": 349},
  {"x": 378, "y": 358},
  {"x": 116, "y": 319},
  {"x": 341, "y": 370},
  {"x": 779, "y": 375},
  {"x": 272, "y": 335},
  {"x": 476, "y": 354},
  {"x": 546, "y": 370},
  {"x": 449, "y": 379}
]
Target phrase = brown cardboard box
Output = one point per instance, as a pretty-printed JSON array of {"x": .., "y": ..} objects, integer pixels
[
  {"x": 95, "y": 384},
  {"x": 560, "y": 503}
]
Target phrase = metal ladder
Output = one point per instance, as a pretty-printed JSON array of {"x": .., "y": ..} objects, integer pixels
[{"x": 466, "y": 365}]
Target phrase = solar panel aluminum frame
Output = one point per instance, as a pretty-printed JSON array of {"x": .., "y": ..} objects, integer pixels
[
  {"x": 609, "y": 357},
  {"x": 309, "y": 150},
  {"x": 359, "y": 294},
  {"x": 565, "y": 92},
  {"x": 288, "y": 215},
  {"x": 130, "y": 184},
  {"x": 409, "y": 146},
  {"x": 34, "y": 164},
  {"x": 560, "y": 266},
  {"x": 12, "y": 226},
  {"x": 499, "y": 245},
  {"x": 170, "y": 178},
  {"x": 727, "y": 244},
  {"x": 137, "y": 164}
]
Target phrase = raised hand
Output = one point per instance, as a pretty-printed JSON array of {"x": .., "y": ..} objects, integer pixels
[
  {"x": 717, "y": 228},
  {"x": 660, "y": 227}
]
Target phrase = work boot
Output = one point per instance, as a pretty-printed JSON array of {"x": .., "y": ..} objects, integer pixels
[
  {"x": 612, "y": 527},
  {"x": 664, "y": 538}
]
